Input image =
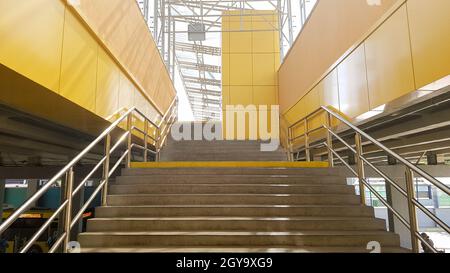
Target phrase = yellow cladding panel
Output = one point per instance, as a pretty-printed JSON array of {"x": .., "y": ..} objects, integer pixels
[
  {"x": 264, "y": 69},
  {"x": 263, "y": 42},
  {"x": 354, "y": 97},
  {"x": 389, "y": 65},
  {"x": 225, "y": 69},
  {"x": 108, "y": 81},
  {"x": 126, "y": 93},
  {"x": 30, "y": 39},
  {"x": 265, "y": 95},
  {"x": 79, "y": 64},
  {"x": 429, "y": 23},
  {"x": 225, "y": 40},
  {"x": 241, "y": 95},
  {"x": 329, "y": 90},
  {"x": 240, "y": 37},
  {"x": 225, "y": 96},
  {"x": 240, "y": 69}
]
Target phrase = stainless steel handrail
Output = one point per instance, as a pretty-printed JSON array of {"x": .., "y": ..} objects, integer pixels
[
  {"x": 411, "y": 169},
  {"x": 68, "y": 171}
]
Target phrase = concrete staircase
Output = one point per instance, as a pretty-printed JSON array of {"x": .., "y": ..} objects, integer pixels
[
  {"x": 234, "y": 210},
  {"x": 220, "y": 150}
]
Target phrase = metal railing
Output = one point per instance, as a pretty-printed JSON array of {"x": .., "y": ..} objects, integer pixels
[
  {"x": 410, "y": 169},
  {"x": 67, "y": 173}
]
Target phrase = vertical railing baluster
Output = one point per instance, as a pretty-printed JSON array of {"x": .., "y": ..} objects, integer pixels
[
  {"x": 129, "y": 129},
  {"x": 360, "y": 166},
  {"x": 106, "y": 169},
  {"x": 412, "y": 209},
  {"x": 68, "y": 211},
  {"x": 307, "y": 150},
  {"x": 290, "y": 145},
  {"x": 146, "y": 140},
  {"x": 329, "y": 140}
]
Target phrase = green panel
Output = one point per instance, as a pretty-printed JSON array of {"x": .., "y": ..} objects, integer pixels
[{"x": 15, "y": 196}]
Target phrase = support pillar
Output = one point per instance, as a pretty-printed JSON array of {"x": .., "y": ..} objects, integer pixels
[
  {"x": 33, "y": 187},
  {"x": 391, "y": 160},
  {"x": 432, "y": 158}
]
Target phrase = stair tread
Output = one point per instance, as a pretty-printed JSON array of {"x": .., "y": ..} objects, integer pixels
[
  {"x": 215, "y": 249},
  {"x": 215, "y": 218},
  {"x": 236, "y": 206},
  {"x": 235, "y": 194},
  {"x": 230, "y": 185},
  {"x": 241, "y": 233}
]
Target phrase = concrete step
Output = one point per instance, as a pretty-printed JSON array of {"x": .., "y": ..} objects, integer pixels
[
  {"x": 234, "y": 224},
  {"x": 238, "y": 238},
  {"x": 312, "y": 172},
  {"x": 215, "y": 249},
  {"x": 233, "y": 211},
  {"x": 229, "y": 189},
  {"x": 232, "y": 199},
  {"x": 219, "y": 157},
  {"x": 229, "y": 179}
]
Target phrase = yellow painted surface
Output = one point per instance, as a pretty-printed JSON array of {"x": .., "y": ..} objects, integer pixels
[
  {"x": 234, "y": 164},
  {"x": 389, "y": 64},
  {"x": 30, "y": 39},
  {"x": 121, "y": 27},
  {"x": 48, "y": 42},
  {"x": 241, "y": 66},
  {"x": 408, "y": 50},
  {"x": 429, "y": 23},
  {"x": 79, "y": 64},
  {"x": 108, "y": 83},
  {"x": 250, "y": 62},
  {"x": 263, "y": 69},
  {"x": 353, "y": 93},
  {"x": 329, "y": 90}
]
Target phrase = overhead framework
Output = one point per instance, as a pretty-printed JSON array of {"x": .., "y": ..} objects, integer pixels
[{"x": 188, "y": 35}]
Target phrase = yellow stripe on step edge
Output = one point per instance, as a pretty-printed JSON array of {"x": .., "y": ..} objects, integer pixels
[{"x": 228, "y": 164}]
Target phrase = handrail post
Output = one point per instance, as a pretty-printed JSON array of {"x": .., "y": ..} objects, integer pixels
[
  {"x": 106, "y": 169},
  {"x": 129, "y": 129},
  {"x": 158, "y": 143},
  {"x": 360, "y": 164},
  {"x": 330, "y": 141},
  {"x": 307, "y": 151},
  {"x": 146, "y": 140},
  {"x": 68, "y": 211},
  {"x": 289, "y": 145},
  {"x": 412, "y": 209}
]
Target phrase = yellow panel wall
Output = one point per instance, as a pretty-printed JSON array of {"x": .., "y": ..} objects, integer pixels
[
  {"x": 250, "y": 60},
  {"x": 108, "y": 83},
  {"x": 389, "y": 63},
  {"x": 47, "y": 42},
  {"x": 30, "y": 41},
  {"x": 429, "y": 23},
  {"x": 408, "y": 50},
  {"x": 79, "y": 64},
  {"x": 353, "y": 91}
]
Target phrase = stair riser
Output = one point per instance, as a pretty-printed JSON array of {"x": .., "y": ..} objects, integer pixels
[
  {"x": 87, "y": 240},
  {"x": 200, "y": 158},
  {"x": 122, "y": 200},
  {"x": 259, "y": 225},
  {"x": 226, "y": 179},
  {"x": 188, "y": 189},
  {"x": 356, "y": 211},
  {"x": 315, "y": 172}
]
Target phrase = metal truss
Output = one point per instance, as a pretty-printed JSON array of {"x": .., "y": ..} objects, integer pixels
[{"x": 199, "y": 62}]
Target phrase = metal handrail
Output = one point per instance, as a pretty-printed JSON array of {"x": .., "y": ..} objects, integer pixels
[
  {"x": 68, "y": 172},
  {"x": 411, "y": 169}
]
